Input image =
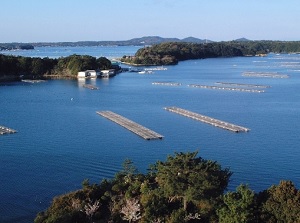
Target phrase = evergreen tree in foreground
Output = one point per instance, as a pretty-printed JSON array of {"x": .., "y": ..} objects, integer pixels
[{"x": 184, "y": 188}]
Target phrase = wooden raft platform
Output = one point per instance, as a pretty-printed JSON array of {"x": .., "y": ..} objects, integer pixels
[
  {"x": 130, "y": 125},
  {"x": 167, "y": 83},
  {"x": 90, "y": 86},
  {"x": 32, "y": 81},
  {"x": 265, "y": 74},
  {"x": 226, "y": 88},
  {"x": 208, "y": 120},
  {"x": 5, "y": 130},
  {"x": 244, "y": 85}
]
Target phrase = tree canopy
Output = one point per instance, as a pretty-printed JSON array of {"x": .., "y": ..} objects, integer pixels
[
  {"x": 12, "y": 67},
  {"x": 184, "y": 188},
  {"x": 280, "y": 203},
  {"x": 238, "y": 206},
  {"x": 191, "y": 179},
  {"x": 169, "y": 53}
]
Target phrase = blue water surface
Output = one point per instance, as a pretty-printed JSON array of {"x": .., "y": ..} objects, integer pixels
[{"x": 61, "y": 140}]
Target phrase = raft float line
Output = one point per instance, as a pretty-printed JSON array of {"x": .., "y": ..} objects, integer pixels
[{"x": 208, "y": 120}]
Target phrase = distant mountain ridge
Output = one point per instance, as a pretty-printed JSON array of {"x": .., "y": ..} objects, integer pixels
[
  {"x": 243, "y": 39},
  {"x": 142, "y": 41},
  {"x": 146, "y": 40},
  {"x": 195, "y": 40},
  {"x": 150, "y": 40}
]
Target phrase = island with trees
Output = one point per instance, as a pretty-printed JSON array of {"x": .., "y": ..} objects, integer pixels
[
  {"x": 16, "y": 46},
  {"x": 184, "y": 188},
  {"x": 170, "y": 53},
  {"x": 164, "y": 53}
]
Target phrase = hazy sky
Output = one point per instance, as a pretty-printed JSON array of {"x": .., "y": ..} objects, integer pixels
[{"x": 80, "y": 20}]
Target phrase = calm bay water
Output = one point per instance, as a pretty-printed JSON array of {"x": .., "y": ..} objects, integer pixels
[
  {"x": 61, "y": 140},
  {"x": 59, "y": 51}
]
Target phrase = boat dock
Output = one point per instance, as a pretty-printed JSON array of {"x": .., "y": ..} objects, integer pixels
[
  {"x": 90, "y": 86},
  {"x": 243, "y": 85},
  {"x": 226, "y": 88},
  {"x": 208, "y": 120},
  {"x": 5, "y": 130},
  {"x": 265, "y": 74},
  {"x": 167, "y": 83},
  {"x": 130, "y": 125}
]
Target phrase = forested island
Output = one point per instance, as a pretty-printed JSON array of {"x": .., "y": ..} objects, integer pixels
[
  {"x": 184, "y": 188},
  {"x": 16, "y": 46},
  {"x": 170, "y": 53},
  {"x": 16, "y": 67},
  {"x": 165, "y": 53}
]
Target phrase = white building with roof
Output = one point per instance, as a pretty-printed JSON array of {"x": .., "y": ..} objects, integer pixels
[{"x": 88, "y": 74}]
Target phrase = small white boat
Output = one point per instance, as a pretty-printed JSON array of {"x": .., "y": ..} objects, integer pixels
[{"x": 145, "y": 72}]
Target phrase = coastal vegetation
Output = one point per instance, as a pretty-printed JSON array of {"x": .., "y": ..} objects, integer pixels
[
  {"x": 16, "y": 46},
  {"x": 170, "y": 53},
  {"x": 184, "y": 188},
  {"x": 165, "y": 53},
  {"x": 15, "y": 67}
]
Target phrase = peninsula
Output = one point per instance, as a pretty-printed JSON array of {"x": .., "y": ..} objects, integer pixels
[
  {"x": 170, "y": 53},
  {"x": 16, "y": 46},
  {"x": 13, "y": 68}
]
